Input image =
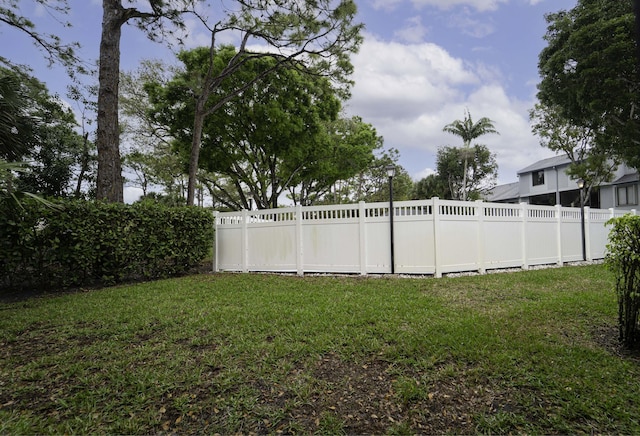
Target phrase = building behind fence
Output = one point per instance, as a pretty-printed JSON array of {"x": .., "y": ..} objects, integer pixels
[{"x": 432, "y": 237}]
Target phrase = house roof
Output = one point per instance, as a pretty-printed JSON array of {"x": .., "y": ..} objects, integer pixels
[
  {"x": 546, "y": 163},
  {"x": 507, "y": 191},
  {"x": 627, "y": 178}
]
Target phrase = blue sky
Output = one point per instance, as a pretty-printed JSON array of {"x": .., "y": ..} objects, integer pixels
[{"x": 422, "y": 64}]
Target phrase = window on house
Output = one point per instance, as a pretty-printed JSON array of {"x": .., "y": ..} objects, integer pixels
[
  {"x": 627, "y": 195},
  {"x": 538, "y": 178}
]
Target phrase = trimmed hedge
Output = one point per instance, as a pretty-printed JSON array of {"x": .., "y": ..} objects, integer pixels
[
  {"x": 623, "y": 258},
  {"x": 94, "y": 243}
]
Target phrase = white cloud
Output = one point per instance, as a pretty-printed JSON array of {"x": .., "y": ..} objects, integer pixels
[
  {"x": 409, "y": 92},
  {"x": 424, "y": 173},
  {"x": 413, "y": 32},
  {"x": 471, "y": 26},
  {"x": 479, "y": 5},
  {"x": 386, "y": 5},
  {"x": 131, "y": 194},
  {"x": 401, "y": 80}
]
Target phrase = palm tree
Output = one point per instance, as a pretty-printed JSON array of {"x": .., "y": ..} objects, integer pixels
[
  {"x": 468, "y": 131},
  {"x": 15, "y": 124}
]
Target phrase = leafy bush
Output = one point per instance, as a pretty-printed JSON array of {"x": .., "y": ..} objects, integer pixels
[
  {"x": 85, "y": 243},
  {"x": 623, "y": 258}
]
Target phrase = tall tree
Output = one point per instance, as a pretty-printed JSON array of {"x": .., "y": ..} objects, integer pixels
[
  {"x": 320, "y": 32},
  {"x": 346, "y": 149},
  {"x": 591, "y": 164},
  {"x": 372, "y": 183},
  {"x": 153, "y": 21},
  {"x": 264, "y": 139},
  {"x": 16, "y": 125},
  {"x": 468, "y": 131},
  {"x": 149, "y": 156},
  {"x": 431, "y": 186},
  {"x": 467, "y": 172},
  {"x": 589, "y": 71}
]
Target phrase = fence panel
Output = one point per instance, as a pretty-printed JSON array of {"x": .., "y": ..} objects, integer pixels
[
  {"x": 502, "y": 241},
  {"x": 457, "y": 248},
  {"x": 598, "y": 233},
  {"x": 331, "y": 238},
  {"x": 414, "y": 238},
  {"x": 430, "y": 237},
  {"x": 541, "y": 235},
  {"x": 229, "y": 242}
]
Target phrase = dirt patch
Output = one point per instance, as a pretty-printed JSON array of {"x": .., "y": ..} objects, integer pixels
[
  {"x": 375, "y": 397},
  {"x": 607, "y": 337}
]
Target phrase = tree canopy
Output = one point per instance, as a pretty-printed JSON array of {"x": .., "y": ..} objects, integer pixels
[
  {"x": 431, "y": 186},
  {"x": 281, "y": 134},
  {"x": 37, "y": 128},
  {"x": 346, "y": 150},
  {"x": 591, "y": 164},
  {"x": 319, "y": 35},
  {"x": 468, "y": 173},
  {"x": 589, "y": 74},
  {"x": 467, "y": 130}
]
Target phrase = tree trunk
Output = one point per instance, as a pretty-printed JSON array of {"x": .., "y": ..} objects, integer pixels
[
  {"x": 84, "y": 165},
  {"x": 109, "y": 177},
  {"x": 464, "y": 174},
  {"x": 198, "y": 125}
]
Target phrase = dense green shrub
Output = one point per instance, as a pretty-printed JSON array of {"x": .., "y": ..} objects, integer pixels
[
  {"x": 623, "y": 258},
  {"x": 88, "y": 243}
]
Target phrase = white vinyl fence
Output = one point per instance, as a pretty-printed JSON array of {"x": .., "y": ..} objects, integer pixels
[{"x": 430, "y": 237}]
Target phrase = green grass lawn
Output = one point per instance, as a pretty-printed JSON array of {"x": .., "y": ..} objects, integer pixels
[{"x": 525, "y": 352}]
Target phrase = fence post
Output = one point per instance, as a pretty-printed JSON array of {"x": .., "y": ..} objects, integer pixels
[
  {"x": 481, "y": 236},
  {"x": 559, "y": 233},
  {"x": 587, "y": 232},
  {"x": 363, "y": 237},
  {"x": 299, "y": 243},
  {"x": 215, "y": 241},
  {"x": 436, "y": 236},
  {"x": 524, "y": 214},
  {"x": 245, "y": 241}
]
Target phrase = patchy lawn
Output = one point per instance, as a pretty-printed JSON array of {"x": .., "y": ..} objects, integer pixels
[{"x": 525, "y": 352}]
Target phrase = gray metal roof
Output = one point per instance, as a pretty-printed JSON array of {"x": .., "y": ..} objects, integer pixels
[
  {"x": 627, "y": 178},
  {"x": 551, "y": 162},
  {"x": 509, "y": 191}
]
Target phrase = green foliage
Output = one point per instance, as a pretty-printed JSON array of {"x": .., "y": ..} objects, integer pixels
[
  {"x": 470, "y": 172},
  {"x": 150, "y": 159},
  {"x": 466, "y": 172},
  {"x": 15, "y": 124},
  {"x": 35, "y": 127},
  {"x": 468, "y": 130},
  {"x": 623, "y": 258},
  {"x": 82, "y": 243},
  {"x": 431, "y": 186},
  {"x": 589, "y": 71},
  {"x": 592, "y": 164},
  {"x": 372, "y": 183},
  {"x": 346, "y": 150},
  {"x": 278, "y": 133},
  {"x": 322, "y": 32}
]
